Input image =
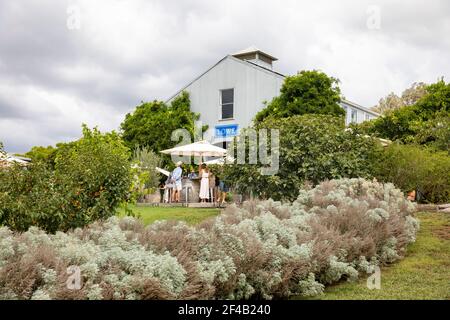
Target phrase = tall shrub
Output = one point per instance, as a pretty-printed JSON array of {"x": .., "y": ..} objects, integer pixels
[
  {"x": 90, "y": 179},
  {"x": 308, "y": 92},
  {"x": 425, "y": 122},
  {"x": 414, "y": 167},
  {"x": 313, "y": 148},
  {"x": 145, "y": 177}
]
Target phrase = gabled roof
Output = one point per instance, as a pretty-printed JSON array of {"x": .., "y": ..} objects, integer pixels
[
  {"x": 256, "y": 66},
  {"x": 248, "y": 63}
]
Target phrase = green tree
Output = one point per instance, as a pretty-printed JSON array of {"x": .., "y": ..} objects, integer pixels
[
  {"x": 90, "y": 179},
  {"x": 151, "y": 124},
  {"x": 308, "y": 92},
  {"x": 435, "y": 132},
  {"x": 436, "y": 99},
  {"x": 425, "y": 122},
  {"x": 145, "y": 176},
  {"x": 40, "y": 153},
  {"x": 312, "y": 148},
  {"x": 415, "y": 167},
  {"x": 96, "y": 173}
]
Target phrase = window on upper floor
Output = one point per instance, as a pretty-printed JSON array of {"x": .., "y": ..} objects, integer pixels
[
  {"x": 367, "y": 116},
  {"x": 346, "y": 113},
  {"x": 227, "y": 103},
  {"x": 353, "y": 117}
]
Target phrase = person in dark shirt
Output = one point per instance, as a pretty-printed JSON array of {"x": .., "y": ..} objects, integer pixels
[
  {"x": 222, "y": 191},
  {"x": 161, "y": 188}
]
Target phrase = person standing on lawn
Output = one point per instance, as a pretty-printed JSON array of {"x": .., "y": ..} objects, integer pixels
[
  {"x": 168, "y": 189},
  {"x": 176, "y": 176},
  {"x": 217, "y": 190},
  {"x": 211, "y": 184},
  {"x": 223, "y": 190},
  {"x": 204, "y": 183},
  {"x": 161, "y": 188}
]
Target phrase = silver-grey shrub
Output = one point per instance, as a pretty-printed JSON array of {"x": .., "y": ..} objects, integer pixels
[{"x": 337, "y": 231}]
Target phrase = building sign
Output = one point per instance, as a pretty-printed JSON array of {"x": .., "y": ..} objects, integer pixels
[{"x": 228, "y": 130}]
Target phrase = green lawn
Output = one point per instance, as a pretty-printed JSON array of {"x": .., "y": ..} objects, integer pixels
[
  {"x": 190, "y": 215},
  {"x": 423, "y": 274}
]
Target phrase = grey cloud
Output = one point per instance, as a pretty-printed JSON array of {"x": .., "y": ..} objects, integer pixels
[{"x": 52, "y": 78}]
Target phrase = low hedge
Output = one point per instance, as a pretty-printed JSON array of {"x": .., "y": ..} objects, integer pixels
[{"x": 414, "y": 167}]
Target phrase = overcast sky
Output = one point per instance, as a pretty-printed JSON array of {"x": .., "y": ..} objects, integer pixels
[{"x": 57, "y": 71}]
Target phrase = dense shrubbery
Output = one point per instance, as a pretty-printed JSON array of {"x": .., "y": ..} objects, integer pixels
[
  {"x": 425, "y": 122},
  {"x": 313, "y": 148},
  {"x": 152, "y": 124},
  {"x": 308, "y": 92},
  {"x": 338, "y": 230},
  {"x": 146, "y": 178},
  {"x": 413, "y": 167},
  {"x": 88, "y": 182}
]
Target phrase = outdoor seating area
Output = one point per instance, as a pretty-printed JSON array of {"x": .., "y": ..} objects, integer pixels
[
  {"x": 7, "y": 160},
  {"x": 197, "y": 188}
]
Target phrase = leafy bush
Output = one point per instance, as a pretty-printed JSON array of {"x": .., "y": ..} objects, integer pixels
[
  {"x": 413, "y": 167},
  {"x": 336, "y": 231},
  {"x": 308, "y": 92},
  {"x": 145, "y": 177},
  {"x": 313, "y": 148},
  {"x": 89, "y": 180},
  {"x": 425, "y": 122},
  {"x": 42, "y": 154},
  {"x": 151, "y": 124}
]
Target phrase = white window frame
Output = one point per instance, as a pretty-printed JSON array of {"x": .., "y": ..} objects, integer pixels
[
  {"x": 346, "y": 113},
  {"x": 351, "y": 116},
  {"x": 220, "y": 104}
]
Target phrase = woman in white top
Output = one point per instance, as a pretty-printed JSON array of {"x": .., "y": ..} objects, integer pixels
[{"x": 204, "y": 183}]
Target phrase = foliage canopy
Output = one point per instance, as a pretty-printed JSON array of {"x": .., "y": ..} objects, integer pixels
[
  {"x": 151, "y": 124},
  {"x": 313, "y": 148},
  {"x": 88, "y": 182},
  {"x": 426, "y": 122},
  {"x": 308, "y": 92}
]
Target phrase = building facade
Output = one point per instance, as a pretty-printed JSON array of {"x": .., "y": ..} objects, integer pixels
[{"x": 229, "y": 94}]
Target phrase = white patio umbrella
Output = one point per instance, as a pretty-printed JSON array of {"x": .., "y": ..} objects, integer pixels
[
  {"x": 197, "y": 149},
  {"x": 10, "y": 159},
  {"x": 164, "y": 172},
  {"x": 220, "y": 161}
]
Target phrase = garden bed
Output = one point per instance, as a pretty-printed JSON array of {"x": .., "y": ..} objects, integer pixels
[
  {"x": 339, "y": 230},
  {"x": 424, "y": 273}
]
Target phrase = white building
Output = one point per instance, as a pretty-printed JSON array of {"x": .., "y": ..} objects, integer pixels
[{"x": 229, "y": 94}]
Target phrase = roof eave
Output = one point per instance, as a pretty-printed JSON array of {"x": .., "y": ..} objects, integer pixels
[
  {"x": 353, "y": 104},
  {"x": 256, "y": 51}
]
